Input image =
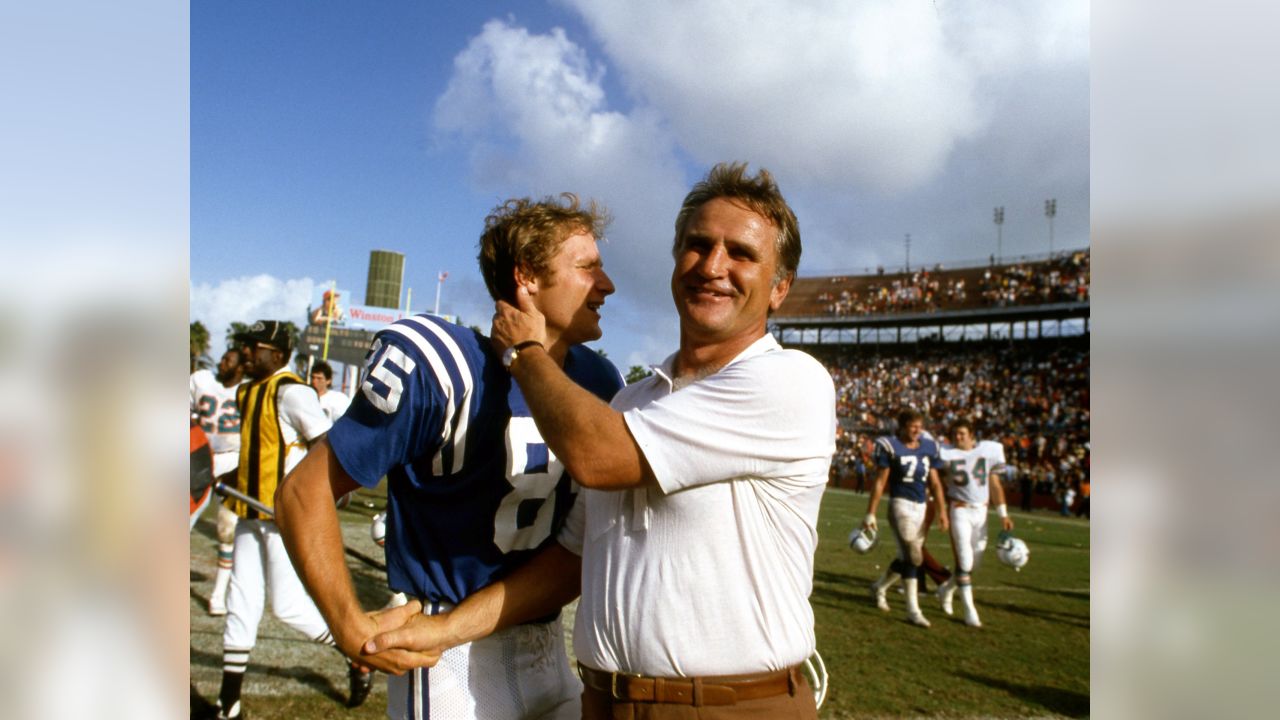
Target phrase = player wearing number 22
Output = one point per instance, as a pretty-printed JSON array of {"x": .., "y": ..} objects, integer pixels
[{"x": 473, "y": 491}]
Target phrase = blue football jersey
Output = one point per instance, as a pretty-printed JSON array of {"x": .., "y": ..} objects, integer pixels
[
  {"x": 472, "y": 490},
  {"x": 908, "y": 467}
]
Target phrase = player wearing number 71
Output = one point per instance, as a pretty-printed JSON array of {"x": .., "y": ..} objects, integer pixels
[
  {"x": 473, "y": 491},
  {"x": 908, "y": 465}
]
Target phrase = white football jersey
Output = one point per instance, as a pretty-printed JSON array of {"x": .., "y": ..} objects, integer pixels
[
  {"x": 966, "y": 471},
  {"x": 214, "y": 407}
]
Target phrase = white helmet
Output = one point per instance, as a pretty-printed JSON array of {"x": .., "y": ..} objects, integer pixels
[
  {"x": 1012, "y": 551},
  {"x": 378, "y": 529},
  {"x": 863, "y": 539}
]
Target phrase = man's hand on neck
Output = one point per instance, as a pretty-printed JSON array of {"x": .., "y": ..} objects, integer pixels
[{"x": 523, "y": 322}]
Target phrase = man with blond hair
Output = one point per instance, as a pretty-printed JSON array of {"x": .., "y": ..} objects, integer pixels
[{"x": 473, "y": 489}]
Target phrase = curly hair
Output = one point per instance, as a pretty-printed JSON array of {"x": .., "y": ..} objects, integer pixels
[
  {"x": 526, "y": 234},
  {"x": 761, "y": 194}
]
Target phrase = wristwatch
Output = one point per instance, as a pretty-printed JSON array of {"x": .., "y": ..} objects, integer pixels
[{"x": 510, "y": 354}]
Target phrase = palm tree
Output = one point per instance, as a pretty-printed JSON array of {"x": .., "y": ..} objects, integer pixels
[
  {"x": 637, "y": 373},
  {"x": 235, "y": 328},
  {"x": 199, "y": 342}
]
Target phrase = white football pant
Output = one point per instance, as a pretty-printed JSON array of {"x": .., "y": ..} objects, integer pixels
[
  {"x": 968, "y": 536},
  {"x": 521, "y": 672},
  {"x": 906, "y": 517},
  {"x": 260, "y": 561}
]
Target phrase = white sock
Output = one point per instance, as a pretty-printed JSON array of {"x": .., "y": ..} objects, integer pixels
[
  {"x": 913, "y": 595},
  {"x": 966, "y": 598}
]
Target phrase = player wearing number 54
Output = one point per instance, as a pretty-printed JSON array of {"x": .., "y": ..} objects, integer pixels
[{"x": 473, "y": 491}]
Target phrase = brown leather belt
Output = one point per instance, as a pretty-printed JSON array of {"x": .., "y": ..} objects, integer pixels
[{"x": 714, "y": 690}]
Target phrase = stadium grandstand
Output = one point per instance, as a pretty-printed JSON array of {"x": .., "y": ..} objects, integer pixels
[{"x": 1005, "y": 344}]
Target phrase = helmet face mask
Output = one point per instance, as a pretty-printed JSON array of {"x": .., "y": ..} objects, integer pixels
[
  {"x": 815, "y": 671},
  {"x": 863, "y": 540}
]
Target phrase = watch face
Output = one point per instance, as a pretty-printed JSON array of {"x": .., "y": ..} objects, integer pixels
[{"x": 508, "y": 357}]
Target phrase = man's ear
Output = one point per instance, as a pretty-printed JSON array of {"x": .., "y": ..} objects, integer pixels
[
  {"x": 779, "y": 291},
  {"x": 527, "y": 279}
]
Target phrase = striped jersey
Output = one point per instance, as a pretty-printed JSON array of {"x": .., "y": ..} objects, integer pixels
[
  {"x": 967, "y": 471},
  {"x": 908, "y": 467},
  {"x": 472, "y": 489},
  {"x": 281, "y": 415}
]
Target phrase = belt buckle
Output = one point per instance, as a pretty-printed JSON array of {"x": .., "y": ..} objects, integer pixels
[{"x": 613, "y": 683}]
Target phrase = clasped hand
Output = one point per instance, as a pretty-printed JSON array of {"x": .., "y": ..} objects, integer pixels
[{"x": 396, "y": 640}]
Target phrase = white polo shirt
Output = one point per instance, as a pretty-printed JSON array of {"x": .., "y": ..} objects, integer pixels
[
  {"x": 335, "y": 404},
  {"x": 710, "y": 573}
]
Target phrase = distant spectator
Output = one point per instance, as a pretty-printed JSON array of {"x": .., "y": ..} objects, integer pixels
[{"x": 334, "y": 403}]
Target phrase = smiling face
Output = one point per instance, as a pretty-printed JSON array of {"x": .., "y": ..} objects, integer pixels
[
  {"x": 724, "y": 282},
  {"x": 963, "y": 438},
  {"x": 572, "y": 291},
  {"x": 910, "y": 433}
]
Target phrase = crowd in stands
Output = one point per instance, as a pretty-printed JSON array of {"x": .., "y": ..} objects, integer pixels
[
  {"x": 1033, "y": 398},
  {"x": 1063, "y": 279},
  {"x": 920, "y": 291}
]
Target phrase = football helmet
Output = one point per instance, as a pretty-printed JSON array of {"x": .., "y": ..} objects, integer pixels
[
  {"x": 863, "y": 539},
  {"x": 815, "y": 671},
  {"x": 1012, "y": 551},
  {"x": 378, "y": 529}
]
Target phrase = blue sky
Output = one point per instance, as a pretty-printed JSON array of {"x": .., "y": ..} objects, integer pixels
[{"x": 322, "y": 130}]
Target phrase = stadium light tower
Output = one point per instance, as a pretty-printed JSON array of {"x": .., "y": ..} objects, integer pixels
[
  {"x": 1050, "y": 210},
  {"x": 907, "y": 242},
  {"x": 999, "y": 218}
]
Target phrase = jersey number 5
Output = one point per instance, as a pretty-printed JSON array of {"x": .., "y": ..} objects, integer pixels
[
  {"x": 533, "y": 490},
  {"x": 383, "y": 386}
]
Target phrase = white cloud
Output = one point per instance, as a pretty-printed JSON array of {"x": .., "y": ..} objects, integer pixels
[
  {"x": 246, "y": 299},
  {"x": 874, "y": 101},
  {"x": 865, "y": 93},
  {"x": 868, "y": 94},
  {"x": 534, "y": 108}
]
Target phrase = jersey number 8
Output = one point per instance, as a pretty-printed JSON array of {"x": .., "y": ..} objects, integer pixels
[{"x": 526, "y": 486}]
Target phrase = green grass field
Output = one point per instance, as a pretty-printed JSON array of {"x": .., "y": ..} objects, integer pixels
[{"x": 1031, "y": 658}]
